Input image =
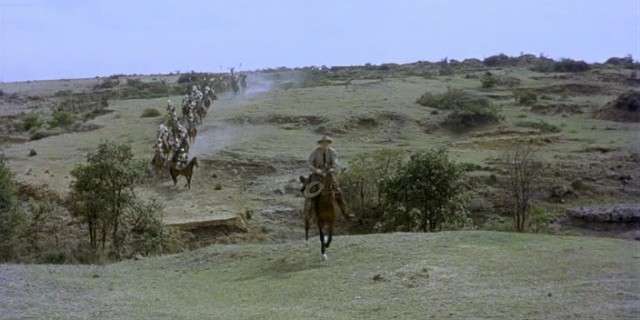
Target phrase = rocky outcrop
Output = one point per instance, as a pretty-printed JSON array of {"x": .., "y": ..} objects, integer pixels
[{"x": 621, "y": 214}]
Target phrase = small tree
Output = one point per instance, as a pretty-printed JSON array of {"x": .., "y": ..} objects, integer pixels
[
  {"x": 523, "y": 170},
  {"x": 104, "y": 188},
  {"x": 427, "y": 191}
]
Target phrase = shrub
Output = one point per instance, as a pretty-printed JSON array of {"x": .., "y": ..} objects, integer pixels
[
  {"x": 539, "y": 219},
  {"x": 61, "y": 119},
  {"x": 32, "y": 121},
  {"x": 150, "y": 113},
  {"x": 544, "y": 65},
  {"x": 364, "y": 186},
  {"x": 625, "y": 62},
  {"x": 569, "y": 65},
  {"x": 10, "y": 216},
  {"x": 427, "y": 192},
  {"x": 496, "y": 60},
  {"x": 468, "y": 109},
  {"x": 138, "y": 89},
  {"x": 452, "y": 99},
  {"x": 525, "y": 97},
  {"x": 473, "y": 117},
  {"x": 144, "y": 233},
  {"x": 107, "y": 83},
  {"x": 489, "y": 80}
]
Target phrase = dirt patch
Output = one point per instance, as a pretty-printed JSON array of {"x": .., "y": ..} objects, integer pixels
[
  {"x": 278, "y": 119},
  {"x": 503, "y": 143},
  {"x": 558, "y": 108},
  {"x": 363, "y": 122},
  {"x": 626, "y": 108}
]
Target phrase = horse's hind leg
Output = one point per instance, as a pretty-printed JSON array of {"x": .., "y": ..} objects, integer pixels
[{"x": 174, "y": 177}]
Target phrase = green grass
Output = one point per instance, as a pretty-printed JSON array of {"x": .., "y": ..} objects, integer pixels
[{"x": 443, "y": 275}]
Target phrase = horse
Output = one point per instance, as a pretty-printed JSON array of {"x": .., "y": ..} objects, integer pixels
[
  {"x": 186, "y": 110},
  {"x": 200, "y": 112},
  {"x": 184, "y": 144},
  {"x": 324, "y": 208},
  {"x": 187, "y": 172},
  {"x": 158, "y": 163},
  {"x": 192, "y": 132}
]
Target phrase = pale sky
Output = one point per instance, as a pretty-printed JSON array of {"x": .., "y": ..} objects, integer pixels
[{"x": 52, "y": 39}]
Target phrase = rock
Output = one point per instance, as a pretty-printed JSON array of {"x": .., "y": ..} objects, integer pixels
[
  {"x": 33, "y": 153},
  {"x": 138, "y": 257},
  {"x": 559, "y": 191},
  {"x": 615, "y": 214},
  {"x": 378, "y": 277}
]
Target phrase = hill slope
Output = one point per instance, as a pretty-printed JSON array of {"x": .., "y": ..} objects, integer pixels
[{"x": 441, "y": 275}]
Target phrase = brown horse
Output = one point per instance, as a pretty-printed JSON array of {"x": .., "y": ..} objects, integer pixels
[
  {"x": 187, "y": 172},
  {"x": 323, "y": 205},
  {"x": 192, "y": 132},
  {"x": 158, "y": 164}
]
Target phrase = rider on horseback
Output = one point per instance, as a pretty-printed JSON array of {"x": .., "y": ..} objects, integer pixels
[
  {"x": 182, "y": 159},
  {"x": 324, "y": 160}
]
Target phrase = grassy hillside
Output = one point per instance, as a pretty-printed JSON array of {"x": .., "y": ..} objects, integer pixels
[{"x": 406, "y": 276}]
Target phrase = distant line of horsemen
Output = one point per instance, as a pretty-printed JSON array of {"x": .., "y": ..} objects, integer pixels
[{"x": 176, "y": 134}]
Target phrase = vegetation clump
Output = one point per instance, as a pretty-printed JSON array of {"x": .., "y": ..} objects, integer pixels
[{"x": 468, "y": 110}]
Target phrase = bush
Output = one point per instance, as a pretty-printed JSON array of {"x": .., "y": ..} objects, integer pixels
[
  {"x": 473, "y": 117},
  {"x": 364, "y": 187},
  {"x": 144, "y": 233},
  {"x": 136, "y": 89},
  {"x": 61, "y": 119},
  {"x": 569, "y": 65},
  {"x": 107, "y": 83},
  {"x": 624, "y": 62},
  {"x": 10, "y": 216},
  {"x": 525, "y": 97},
  {"x": 32, "y": 121},
  {"x": 453, "y": 99},
  {"x": 489, "y": 80},
  {"x": 150, "y": 113},
  {"x": 539, "y": 219},
  {"x": 427, "y": 193},
  {"x": 496, "y": 60},
  {"x": 544, "y": 65},
  {"x": 468, "y": 109}
]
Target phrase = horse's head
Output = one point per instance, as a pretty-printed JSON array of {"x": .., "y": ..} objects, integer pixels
[{"x": 195, "y": 161}]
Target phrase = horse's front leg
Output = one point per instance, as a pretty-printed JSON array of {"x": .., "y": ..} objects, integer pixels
[
  {"x": 323, "y": 254},
  {"x": 330, "y": 235}
]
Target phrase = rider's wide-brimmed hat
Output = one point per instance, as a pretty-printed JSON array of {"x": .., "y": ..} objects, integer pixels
[{"x": 325, "y": 138}]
